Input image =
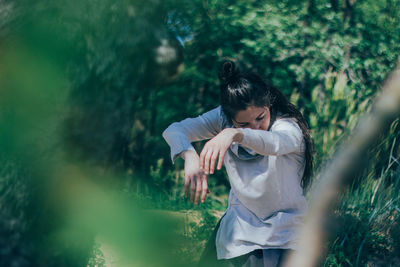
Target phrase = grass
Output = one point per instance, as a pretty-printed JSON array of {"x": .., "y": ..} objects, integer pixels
[{"x": 368, "y": 232}]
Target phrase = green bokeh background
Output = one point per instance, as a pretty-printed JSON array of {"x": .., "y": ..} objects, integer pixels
[{"x": 87, "y": 87}]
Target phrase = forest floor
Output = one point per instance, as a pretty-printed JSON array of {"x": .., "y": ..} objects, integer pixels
[{"x": 105, "y": 255}]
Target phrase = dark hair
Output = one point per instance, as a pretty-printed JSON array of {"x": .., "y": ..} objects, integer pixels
[{"x": 240, "y": 90}]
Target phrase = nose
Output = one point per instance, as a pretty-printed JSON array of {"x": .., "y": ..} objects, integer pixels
[{"x": 256, "y": 125}]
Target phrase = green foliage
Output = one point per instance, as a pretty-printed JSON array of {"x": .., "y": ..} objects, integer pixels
[
  {"x": 367, "y": 218},
  {"x": 335, "y": 112}
]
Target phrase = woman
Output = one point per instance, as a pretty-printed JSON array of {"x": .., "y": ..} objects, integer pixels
[{"x": 266, "y": 147}]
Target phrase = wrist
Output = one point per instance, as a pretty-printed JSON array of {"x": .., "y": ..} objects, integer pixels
[
  {"x": 237, "y": 136},
  {"x": 188, "y": 154}
]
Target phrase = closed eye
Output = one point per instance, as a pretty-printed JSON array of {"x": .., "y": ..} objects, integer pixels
[{"x": 260, "y": 118}]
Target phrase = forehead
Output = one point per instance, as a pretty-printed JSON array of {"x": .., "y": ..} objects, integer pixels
[{"x": 251, "y": 113}]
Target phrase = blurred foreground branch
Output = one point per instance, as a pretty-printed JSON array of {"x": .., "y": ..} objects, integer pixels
[{"x": 342, "y": 169}]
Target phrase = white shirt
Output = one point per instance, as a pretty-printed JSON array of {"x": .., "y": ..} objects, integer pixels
[{"x": 266, "y": 203}]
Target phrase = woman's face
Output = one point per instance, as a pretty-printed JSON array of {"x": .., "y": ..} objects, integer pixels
[{"x": 253, "y": 117}]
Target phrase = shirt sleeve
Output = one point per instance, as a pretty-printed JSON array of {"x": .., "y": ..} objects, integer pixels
[
  {"x": 179, "y": 135},
  {"x": 284, "y": 137}
]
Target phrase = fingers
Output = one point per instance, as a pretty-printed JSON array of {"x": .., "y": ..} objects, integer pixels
[
  {"x": 214, "y": 157},
  {"x": 198, "y": 191},
  {"x": 198, "y": 188},
  {"x": 205, "y": 157},
  {"x": 204, "y": 190},
  {"x": 211, "y": 160},
  {"x": 221, "y": 159},
  {"x": 202, "y": 156},
  {"x": 192, "y": 188},
  {"x": 207, "y": 160}
]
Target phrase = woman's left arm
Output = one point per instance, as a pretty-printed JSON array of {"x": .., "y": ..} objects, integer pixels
[{"x": 285, "y": 137}]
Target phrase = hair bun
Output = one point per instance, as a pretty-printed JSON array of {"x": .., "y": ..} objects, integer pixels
[{"x": 227, "y": 71}]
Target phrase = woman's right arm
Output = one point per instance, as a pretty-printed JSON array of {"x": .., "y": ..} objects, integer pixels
[{"x": 179, "y": 136}]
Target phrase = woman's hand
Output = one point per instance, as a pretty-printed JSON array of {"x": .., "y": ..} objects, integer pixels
[
  {"x": 216, "y": 148},
  {"x": 194, "y": 176}
]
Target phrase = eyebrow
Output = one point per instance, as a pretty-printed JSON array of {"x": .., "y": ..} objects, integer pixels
[{"x": 247, "y": 122}]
